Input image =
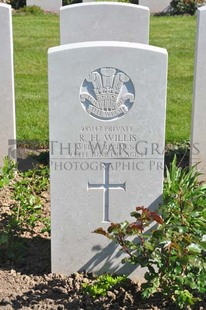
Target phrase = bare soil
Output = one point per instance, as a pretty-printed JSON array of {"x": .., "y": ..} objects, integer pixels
[{"x": 26, "y": 281}]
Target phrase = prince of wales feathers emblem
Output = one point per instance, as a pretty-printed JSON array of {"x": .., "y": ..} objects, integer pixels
[{"x": 107, "y": 94}]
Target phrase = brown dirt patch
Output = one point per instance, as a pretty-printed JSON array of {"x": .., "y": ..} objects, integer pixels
[{"x": 27, "y": 282}]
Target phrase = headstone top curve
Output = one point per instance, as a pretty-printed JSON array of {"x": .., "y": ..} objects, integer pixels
[
  {"x": 202, "y": 9},
  {"x": 104, "y": 21},
  {"x": 92, "y": 44},
  {"x": 6, "y": 6},
  {"x": 102, "y": 3}
]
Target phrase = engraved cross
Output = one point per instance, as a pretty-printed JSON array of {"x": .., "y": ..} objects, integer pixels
[{"x": 106, "y": 186}]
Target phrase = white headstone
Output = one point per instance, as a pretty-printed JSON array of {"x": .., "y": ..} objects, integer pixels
[
  {"x": 156, "y": 6},
  {"x": 7, "y": 101},
  {"x": 46, "y": 5},
  {"x": 107, "y": 130},
  {"x": 104, "y": 21},
  {"x": 198, "y": 138}
]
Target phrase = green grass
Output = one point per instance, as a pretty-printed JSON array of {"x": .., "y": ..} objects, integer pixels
[
  {"x": 177, "y": 35},
  {"x": 33, "y": 35}
]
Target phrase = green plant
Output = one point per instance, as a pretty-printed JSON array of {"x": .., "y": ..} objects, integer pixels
[
  {"x": 180, "y": 150},
  {"x": 175, "y": 251},
  {"x": 30, "y": 10},
  {"x": 27, "y": 210},
  {"x": 7, "y": 172},
  {"x": 102, "y": 284},
  {"x": 68, "y": 2},
  {"x": 11, "y": 246},
  {"x": 185, "y": 6}
]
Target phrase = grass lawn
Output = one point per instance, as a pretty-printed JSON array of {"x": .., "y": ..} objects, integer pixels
[
  {"x": 177, "y": 35},
  {"x": 33, "y": 35}
]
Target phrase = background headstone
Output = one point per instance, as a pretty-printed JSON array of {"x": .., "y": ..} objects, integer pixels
[
  {"x": 7, "y": 101},
  {"x": 198, "y": 137},
  {"x": 104, "y": 21},
  {"x": 107, "y": 130},
  {"x": 156, "y": 6},
  {"x": 46, "y": 5}
]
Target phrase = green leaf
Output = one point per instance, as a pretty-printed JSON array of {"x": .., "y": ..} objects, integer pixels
[
  {"x": 194, "y": 249},
  {"x": 114, "y": 228},
  {"x": 124, "y": 224},
  {"x": 100, "y": 231},
  {"x": 135, "y": 214},
  {"x": 148, "y": 246},
  {"x": 178, "y": 270},
  {"x": 4, "y": 238},
  {"x": 203, "y": 238}
]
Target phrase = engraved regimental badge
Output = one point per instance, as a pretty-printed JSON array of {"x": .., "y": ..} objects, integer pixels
[{"x": 107, "y": 94}]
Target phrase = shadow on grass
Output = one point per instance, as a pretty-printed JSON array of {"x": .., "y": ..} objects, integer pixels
[
  {"x": 181, "y": 151},
  {"x": 27, "y": 160}
]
